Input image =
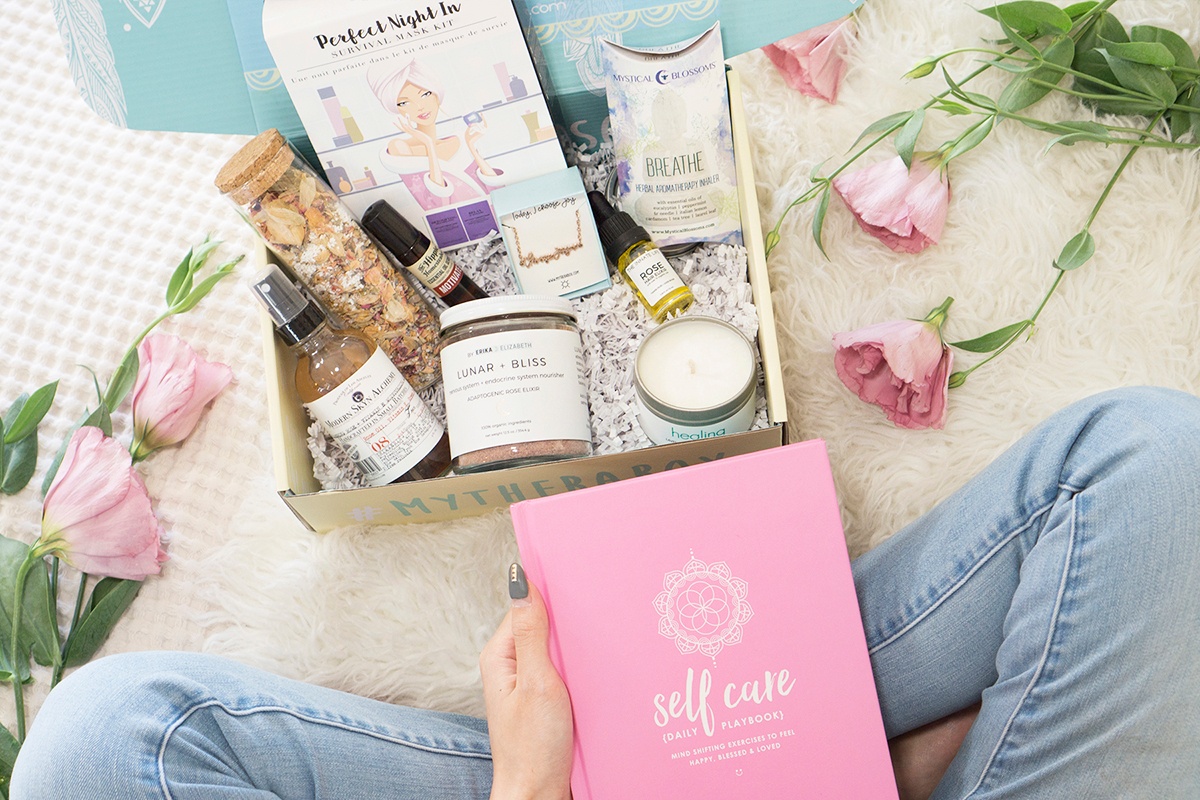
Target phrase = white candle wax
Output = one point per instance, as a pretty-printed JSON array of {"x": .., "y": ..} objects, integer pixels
[{"x": 695, "y": 363}]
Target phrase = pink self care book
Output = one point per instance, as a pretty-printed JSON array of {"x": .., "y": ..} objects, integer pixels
[{"x": 705, "y": 623}]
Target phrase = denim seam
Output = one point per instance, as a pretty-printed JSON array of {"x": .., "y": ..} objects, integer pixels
[
  {"x": 966, "y": 576},
  {"x": 162, "y": 750},
  {"x": 1041, "y": 665}
]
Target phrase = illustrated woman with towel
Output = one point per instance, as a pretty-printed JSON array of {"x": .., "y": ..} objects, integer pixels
[{"x": 439, "y": 171}]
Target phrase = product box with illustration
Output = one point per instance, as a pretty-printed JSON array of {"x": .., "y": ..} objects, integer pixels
[
  {"x": 461, "y": 495},
  {"x": 375, "y": 86},
  {"x": 706, "y": 626}
]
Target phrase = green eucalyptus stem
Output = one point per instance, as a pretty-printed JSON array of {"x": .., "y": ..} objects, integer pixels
[
  {"x": 66, "y": 648},
  {"x": 54, "y": 563},
  {"x": 1115, "y": 177},
  {"x": 1084, "y": 23},
  {"x": 1133, "y": 94},
  {"x": 18, "y": 688},
  {"x": 145, "y": 332},
  {"x": 961, "y": 376},
  {"x": 1065, "y": 128}
]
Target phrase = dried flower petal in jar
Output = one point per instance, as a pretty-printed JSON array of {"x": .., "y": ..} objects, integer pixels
[
  {"x": 513, "y": 370},
  {"x": 314, "y": 234}
]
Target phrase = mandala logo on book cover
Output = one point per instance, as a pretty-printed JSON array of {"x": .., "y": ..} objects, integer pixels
[{"x": 702, "y": 607}]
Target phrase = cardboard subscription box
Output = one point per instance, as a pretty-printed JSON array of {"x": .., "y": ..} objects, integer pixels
[{"x": 463, "y": 495}]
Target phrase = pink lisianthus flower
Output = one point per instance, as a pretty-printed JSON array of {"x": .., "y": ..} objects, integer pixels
[
  {"x": 173, "y": 386},
  {"x": 905, "y": 209},
  {"x": 97, "y": 515},
  {"x": 813, "y": 62},
  {"x": 901, "y": 366}
]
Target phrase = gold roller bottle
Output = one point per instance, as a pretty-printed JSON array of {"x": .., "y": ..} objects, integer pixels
[{"x": 639, "y": 261}]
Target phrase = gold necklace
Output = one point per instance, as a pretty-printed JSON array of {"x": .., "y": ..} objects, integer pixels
[{"x": 529, "y": 259}]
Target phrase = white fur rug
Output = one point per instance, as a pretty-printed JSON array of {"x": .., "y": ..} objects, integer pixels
[{"x": 97, "y": 216}]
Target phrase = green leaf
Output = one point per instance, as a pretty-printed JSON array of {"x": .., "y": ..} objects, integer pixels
[
  {"x": 1077, "y": 10},
  {"x": 818, "y": 223},
  {"x": 979, "y": 100},
  {"x": 25, "y": 414},
  {"x": 181, "y": 280},
  {"x": 1076, "y": 252},
  {"x": 1025, "y": 90},
  {"x": 970, "y": 140},
  {"x": 39, "y": 631},
  {"x": 1094, "y": 64},
  {"x": 9, "y": 747},
  {"x": 2, "y": 449},
  {"x": 1153, "y": 54},
  {"x": 926, "y": 67},
  {"x": 108, "y": 602},
  {"x": 100, "y": 418},
  {"x": 890, "y": 122},
  {"x": 1030, "y": 19},
  {"x": 994, "y": 340},
  {"x": 205, "y": 286},
  {"x": 1014, "y": 37},
  {"x": 1179, "y": 121},
  {"x": 1175, "y": 44},
  {"x": 20, "y": 460},
  {"x": 906, "y": 139},
  {"x": 1104, "y": 28},
  {"x": 122, "y": 380},
  {"x": 950, "y": 107},
  {"x": 1141, "y": 78}
]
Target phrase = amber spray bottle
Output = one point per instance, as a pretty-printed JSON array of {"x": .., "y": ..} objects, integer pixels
[
  {"x": 422, "y": 258},
  {"x": 354, "y": 390},
  {"x": 639, "y": 261}
]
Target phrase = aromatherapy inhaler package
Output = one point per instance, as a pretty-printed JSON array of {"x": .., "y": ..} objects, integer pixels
[
  {"x": 672, "y": 140},
  {"x": 429, "y": 107}
]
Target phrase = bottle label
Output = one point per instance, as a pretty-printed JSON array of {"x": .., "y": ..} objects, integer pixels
[
  {"x": 653, "y": 275},
  {"x": 664, "y": 431},
  {"x": 377, "y": 418},
  {"x": 514, "y": 387},
  {"x": 437, "y": 271}
]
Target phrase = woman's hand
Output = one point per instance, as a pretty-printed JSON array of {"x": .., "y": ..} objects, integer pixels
[{"x": 528, "y": 709}]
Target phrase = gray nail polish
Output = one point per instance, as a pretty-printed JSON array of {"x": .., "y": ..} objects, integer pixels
[{"x": 518, "y": 587}]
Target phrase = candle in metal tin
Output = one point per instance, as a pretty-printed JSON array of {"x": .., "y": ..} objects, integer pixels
[{"x": 695, "y": 378}]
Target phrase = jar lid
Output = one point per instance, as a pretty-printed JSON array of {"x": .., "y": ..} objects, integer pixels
[
  {"x": 503, "y": 305},
  {"x": 256, "y": 166}
]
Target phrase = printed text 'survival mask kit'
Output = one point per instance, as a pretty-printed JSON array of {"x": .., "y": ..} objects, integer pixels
[{"x": 204, "y": 66}]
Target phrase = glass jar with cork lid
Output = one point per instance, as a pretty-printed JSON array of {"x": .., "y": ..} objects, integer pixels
[
  {"x": 309, "y": 229},
  {"x": 515, "y": 383}
]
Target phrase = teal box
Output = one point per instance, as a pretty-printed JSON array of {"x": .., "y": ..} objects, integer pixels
[
  {"x": 202, "y": 65},
  {"x": 550, "y": 234}
]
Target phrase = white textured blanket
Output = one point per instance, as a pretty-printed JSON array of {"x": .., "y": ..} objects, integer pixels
[{"x": 96, "y": 217}]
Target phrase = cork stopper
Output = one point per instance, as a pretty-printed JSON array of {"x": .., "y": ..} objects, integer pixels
[{"x": 256, "y": 167}]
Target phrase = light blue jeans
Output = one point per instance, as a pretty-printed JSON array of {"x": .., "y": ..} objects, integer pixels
[{"x": 1061, "y": 586}]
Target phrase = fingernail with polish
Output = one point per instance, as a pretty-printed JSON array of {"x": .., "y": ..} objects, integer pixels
[{"x": 518, "y": 587}]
